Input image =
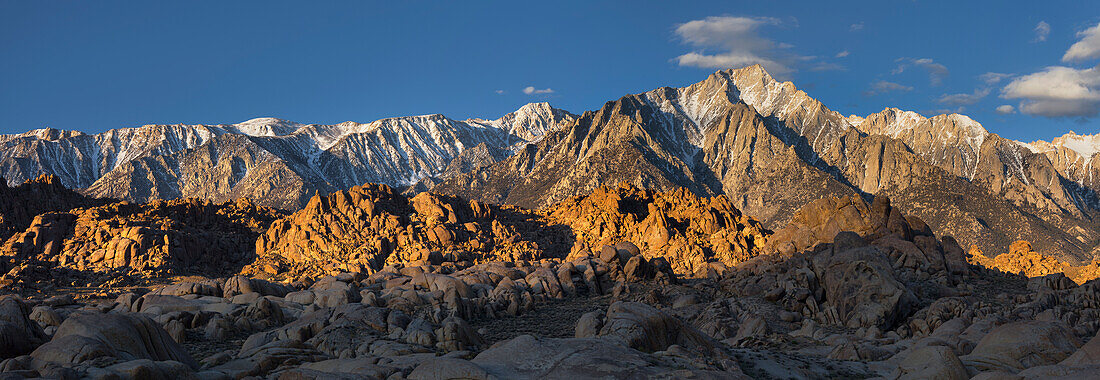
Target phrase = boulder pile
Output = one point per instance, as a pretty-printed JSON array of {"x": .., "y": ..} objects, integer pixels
[
  {"x": 694, "y": 234},
  {"x": 622, "y": 283},
  {"x": 21, "y": 204},
  {"x": 185, "y": 236},
  {"x": 1021, "y": 259},
  {"x": 371, "y": 226}
]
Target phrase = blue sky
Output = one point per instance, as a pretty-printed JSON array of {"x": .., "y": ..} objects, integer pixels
[{"x": 93, "y": 66}]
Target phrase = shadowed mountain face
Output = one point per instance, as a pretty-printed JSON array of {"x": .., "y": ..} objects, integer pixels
[{"x": 771, "y": 149}]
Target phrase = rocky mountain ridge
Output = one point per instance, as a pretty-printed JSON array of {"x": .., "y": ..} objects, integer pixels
[
  {"x": 765, "y": 144},
  {"x": 771, "y": 149},
  {"x": 275, "y": 162}
]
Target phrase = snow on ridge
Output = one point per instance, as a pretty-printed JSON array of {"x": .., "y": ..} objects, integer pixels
[
  {"x": 265, "y": 127},
  {"x": 1085, "y": 145},
  {"x": 529, "y": 123},
  {"x": 429, "y": 141},
  {"x": 974, "y": 131}
]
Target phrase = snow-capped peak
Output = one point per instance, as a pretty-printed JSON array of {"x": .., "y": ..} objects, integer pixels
[
  {"x": 973, "y": 132},
  {"x": 265, "y": 126},
  {"x": 530, "y": 122},
  {"x": 855, "y": 121}
]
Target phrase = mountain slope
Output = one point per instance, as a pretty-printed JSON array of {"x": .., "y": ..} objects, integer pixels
[
  {"x": 1072, "y": 155},
  {"x": 771, "y": 149}
]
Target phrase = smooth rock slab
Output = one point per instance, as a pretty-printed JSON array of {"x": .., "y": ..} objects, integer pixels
[
  {"x": 123, "y": 335},
  {"x": 1020, "y": 345},
  {"x": 527, "y": 357}
]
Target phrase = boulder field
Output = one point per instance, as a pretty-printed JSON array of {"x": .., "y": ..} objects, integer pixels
[{"x": 622, "y": 283}]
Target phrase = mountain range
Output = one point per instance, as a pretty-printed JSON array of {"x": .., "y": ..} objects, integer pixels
[
  {"x": 769, "y": 147},
  {"x": 275, "y": 162}
]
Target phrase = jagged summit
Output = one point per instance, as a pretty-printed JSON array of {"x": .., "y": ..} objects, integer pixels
[
  {"x": 46, "y": 133},
  {"x": 530, "y": 122}
]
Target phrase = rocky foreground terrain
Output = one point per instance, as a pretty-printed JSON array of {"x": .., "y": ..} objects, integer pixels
[{"x": 618, "y": 283}]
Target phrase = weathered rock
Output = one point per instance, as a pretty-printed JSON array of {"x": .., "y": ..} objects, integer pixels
[
  {"x": 45, "y": 316},
  {"x": 18, "y": 333},
  {"x": 176, "y": 330},
  {"x": 85, "y": 336},
  {"x": 647, "y": 329},
  {"x": 1021, "y": 259},
  {"x": 355, "y": 368},
  {"x": 752, "y": 326},
  {"x": 237, "y": 285},
  {"x": 861, "y": 284},
  {"x": 821, "y": 221},
  {"x": 589, "y": 324},
  {"x": 182, "y": 235},
  {"x": 932, "y": 362},
  {"x": 527, "y": 357},
  {"x": 455, "y": 334},
  {"x": 679, "y": 226},
  {"x": 371, "y": 226},
  {"x": 1087, "y": 355},
  {"x": 1021, "y": 345},
  {"x": 448, "y": 368}
]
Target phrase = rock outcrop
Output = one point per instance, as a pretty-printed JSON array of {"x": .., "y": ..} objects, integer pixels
[
  {"x": 124, "y": 336},
  {"x": 370, "y": 226},
  {"x": 177, "y": 236},
  {"x": 19, "y": 205},
  {"x": 624, "y": 282},
  {"x": 1021, "y": 259},
  {"x": 688, "y": 231}
]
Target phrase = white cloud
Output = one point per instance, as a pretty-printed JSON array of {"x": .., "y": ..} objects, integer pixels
[
  {"x": 940, "y": 111},
  {"x": 1005, "y": 109},
  {"x": 882, "y": 87},
  {"x": 1042, "y": 30},
  {"x": 826, "y": 66},
  {"x": 992, "y": 78},
  {"x": 531, "y": 90},
  {"x": 936, "y": 72},
  {"x": 731, "y": 60},
  {"x": 1087, "y": 48},
  {"x": 963, "y": 99},
  {"x": 843, "y": 54},
  {"x": 501, "y": 92},
  {"x": 737, "y": 42},
  {"x": 855, "y": 27},
  {"x": 1057, "y": 91}
]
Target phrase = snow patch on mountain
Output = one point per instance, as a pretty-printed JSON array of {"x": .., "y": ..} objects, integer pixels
[
  {"x": 1084, "y": 145},
  {"x": 265, "y": 126}
]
